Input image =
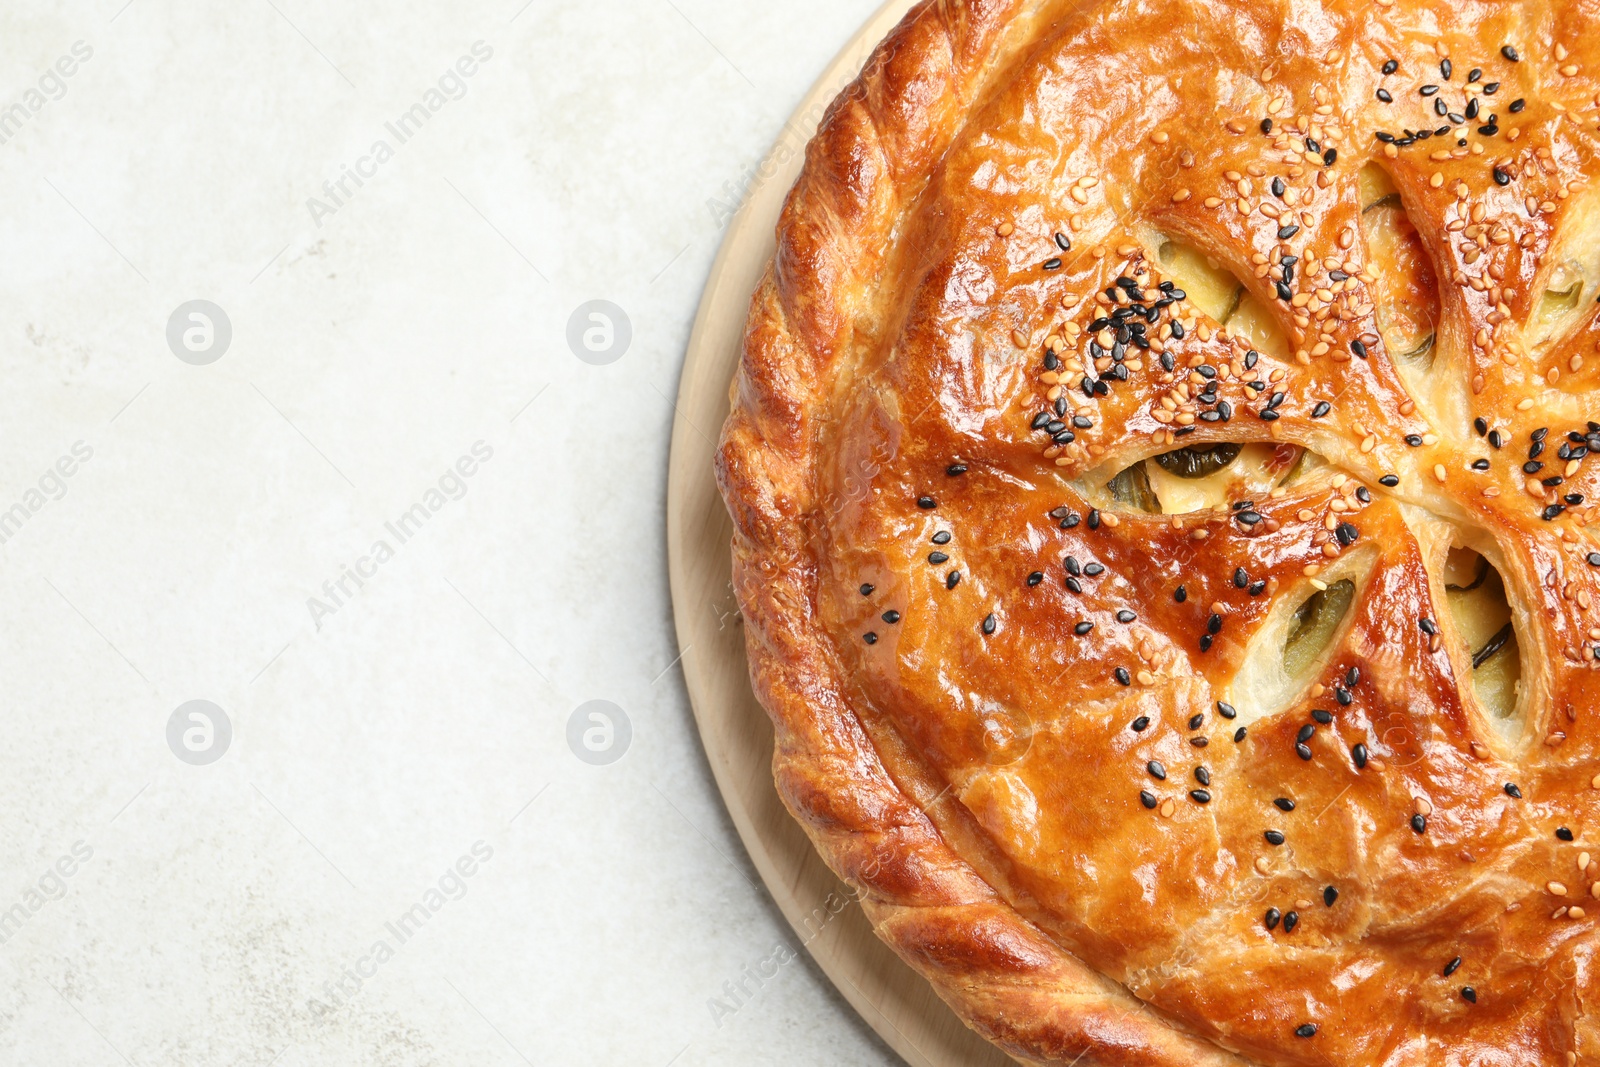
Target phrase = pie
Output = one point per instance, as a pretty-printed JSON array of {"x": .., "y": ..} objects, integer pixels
[{"x": 1163, "y": 466}]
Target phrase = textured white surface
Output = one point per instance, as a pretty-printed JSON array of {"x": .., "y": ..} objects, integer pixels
[{"x": 222, "y": 903}]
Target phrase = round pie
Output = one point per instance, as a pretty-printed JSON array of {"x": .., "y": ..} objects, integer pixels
[{"x": 1163, "y": 462}]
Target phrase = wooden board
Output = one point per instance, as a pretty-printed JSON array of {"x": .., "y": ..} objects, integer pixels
[{"x": 892, "y": 998}]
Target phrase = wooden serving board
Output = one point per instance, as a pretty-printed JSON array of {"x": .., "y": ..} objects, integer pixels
[{"x": 892, "y": 998}]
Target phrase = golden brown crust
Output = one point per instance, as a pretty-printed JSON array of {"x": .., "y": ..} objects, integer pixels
[{"x": 973, "y": 768}]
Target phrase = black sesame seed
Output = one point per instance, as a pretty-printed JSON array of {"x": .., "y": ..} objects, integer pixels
[
  {"x": 1594, "y": 559},
  {"x": 1272, "y": 917},
  {"x": 1510, "y": 53},
  {"x": 866, "y": 590},
  {"x": 1513, "y": 791},
  {"x": 1329, "y": 895},
  {"x": 1157, "y": 771},
  {"x": 1035, "y": 578},
  {"x": 891, "y": 617},
  {"x": 927, "y": 503},
  {"x": 1428, "y": 626},
  {"x": 1429, "y": 90},
  {"x": 1384, "y": 95},
  {"x": 941, "y": 538},
  {"x": 1199, "y": 742},
  {"x": 870, "y": 638},
  {"x": 1419, "y": 823},
  {"x": 1469, "y": 994},
  {"x": 1274, "y": 837},
  {"x": 1290, "y": 921},
  {"x": 1196, "y": 719},
  {"x": 1389, "y": 481},
  {"x": 1322, "y": 715},
  {"x": 1238, "y": 735},
  {"x": 1122, "y": 676},
  {"x": 1358, "y": 752},
  {"x": 989, "y": 623},
  {"x": 1126, "y": 616},
  {"x": 1063, "y": 243},
  {"x": 1147, "y": 798},
  {"x": 1490, "y": 88},
  {"x": 1496, "y": 439},
  {"x": 1352, "y": 677},
  {"x": 1444, "y": 70},
  {"x": 1450, "y": 968},
  {"x": 1093, "y": 570},
  {"x": 1563, "y": 833},
  {"x": 937, "y": 557},
  {"x": 1501, "y": 177},
  {"x": 1286, "y": 232},
  {"x": 1307, "y": 732},
  {"x": 1200, "y": 796},
  {"x": 956, "y": 469},
  {"x": 1303, "y": 751},
  {"x": 1322, "y": 408},
  {"x": 1517, "y": 105},
  {"x": 1094, "y": 517},
  {"x": 1391, "y": 66},
  {"x": 952, "y": 579},
  {"x": 1074, "y": 585},
  {"x": 1306, "y": 1030},
  {"x": 1053, "y": 263},
  {"x": 1284, "y": 804},
  {"x": 1202, "y": 776},
  {"x": 1330, "y": 157},
  {"x": 1227, "y": 711},
  {"x": 1214, "y": 624},
  {"x": 1278, "y": 187},
  {"x": 1240, "y": 578}
]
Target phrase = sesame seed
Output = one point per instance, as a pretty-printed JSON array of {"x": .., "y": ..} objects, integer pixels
[
  {"x": 941, "y": 538},
  {"x": 952, "y": 579},
  {"x": 1358, "y": 752},
  {"x": 1469, "y": 994},
  {"x": 1517, "y": 105},
  {"x": 870, "y": 638},
  {"x": 1140, "y": 724},
  {"x": 1329, "y": 895},
  {"x": 937, "y": 558},
  {"x": 1035, "y": 578},
  {"x": 1563, "y": 833},
  {"x": 1391, "y": 66},
  {"x": 891, "y": 617},
  {"x": 1200, "y": 796},
  {"x": 1274, "y": 837},
  {"x": 1306, "y": 1030},
  {"x": 1196, "y": 720},
  {"x": 989, "y": 623},
  {"x": 1510, "y": 53},
  {"x": 1301, "y": 749},
  {"x": 1238, "y": 735},
  {"x": 1322, "y": 715},
  {"x": 1513, "y": 791},
  {"x": 1271, "y": 918},
  {"x": 1501, "y": 177},
  {"x": 1083, "y": 628},
  {"x": 1284, "y": 804},
  {"x": 866, "y": 590},
  {"x": 1182, "y": 593},
  {"x": 1290, "y": 921},
  {"x": 1450, "y": 968},
  {"x": 1227, "y": 711},
  {"x": 1384, "y": 95},
  {"x": 1157, "y": 771},
  {"x": 1122, "y": 676},
  {"x": 1147, "y": 798},
  {"x": 1419, "y": 823}
]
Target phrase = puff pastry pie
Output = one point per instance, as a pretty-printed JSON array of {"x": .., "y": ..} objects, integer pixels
[{"x": 1163, "y": 464}]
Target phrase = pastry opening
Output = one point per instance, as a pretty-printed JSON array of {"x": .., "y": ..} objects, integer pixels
[
  {"x": 1407, "y": 308},
  {"x": 1210, "y": 475},
  {"x": 1486, "y": 637},
  {"x": 1215, "y": 290},
  {"x": 1306, "y": 627},
  {"x": 1569, "y": 282}
]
